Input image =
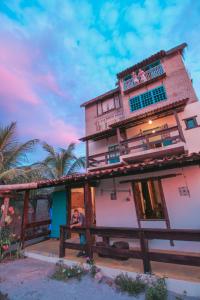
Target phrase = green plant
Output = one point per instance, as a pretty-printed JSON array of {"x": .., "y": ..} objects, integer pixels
[
  {"x": 5, "y": 241},
  {"x": 13, "y": 156},
  {"x": 157, "y": 290},
  {"x": 65, "y": 273},
  {"x": 92, "y": 268},
  {"x": 127, "y": 284}
]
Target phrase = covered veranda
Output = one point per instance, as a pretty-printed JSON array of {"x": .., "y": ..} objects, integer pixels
[{"x": 140, "y": 259}]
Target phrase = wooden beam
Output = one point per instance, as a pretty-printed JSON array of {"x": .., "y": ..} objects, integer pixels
[
  {"x": 167, "y": 220},
  {"x": 87, "y": 153},
  {"x": 180, "y": 130},
  {"x": 88, "y": 217},
  {"x": 24, "y": 217},
  {"x": 152, "y": 177}
]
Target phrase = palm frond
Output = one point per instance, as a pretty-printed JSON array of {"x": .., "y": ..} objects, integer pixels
[
  {"x": 19, "y": 154},
  {"x": 77, "y": 165},
  {"x": 8, "y": 138}
]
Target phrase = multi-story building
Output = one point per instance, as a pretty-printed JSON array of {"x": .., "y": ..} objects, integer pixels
[{"x": 152, "y": 115}]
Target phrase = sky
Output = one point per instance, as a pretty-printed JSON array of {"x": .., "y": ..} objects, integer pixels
[{"x": 57, "y": 54}]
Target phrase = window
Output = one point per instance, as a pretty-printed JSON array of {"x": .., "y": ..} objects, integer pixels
[
  {"x": 148, "y": 98},
  {"x": 113, "y": 154},
  {"x": 148, "y": 196},
  {"x": 191, "y": 122},
  {"x": 107, "y": 105}
]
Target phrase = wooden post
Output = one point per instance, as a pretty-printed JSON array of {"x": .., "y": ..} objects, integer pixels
[
  {"x": 24, "y": 217},
  {"x": 180, "y": 130},
  {"x": 87, "y": 154},
  {"x": 165, "y": 208},
  {"x": 68, "y": 213},
  {"x": 145, "y": 253},
  {"x": 119, "y": 140},
  {"x": 62, "y": 242},
  {"x": 88, "y": 217}
]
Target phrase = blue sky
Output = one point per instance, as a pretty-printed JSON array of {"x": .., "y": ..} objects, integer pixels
[{"x": 56, "y": 54}]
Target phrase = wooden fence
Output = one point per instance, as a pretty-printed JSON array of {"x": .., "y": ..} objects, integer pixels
[
  {"x": 37, "y": 231},
  {"x": 143, "y": 235}
]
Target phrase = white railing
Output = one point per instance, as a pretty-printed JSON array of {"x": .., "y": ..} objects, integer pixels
[{"x": 148, "y": 75}]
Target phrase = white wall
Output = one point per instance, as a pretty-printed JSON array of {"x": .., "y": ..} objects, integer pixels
[{"x": 183, "y": 210}]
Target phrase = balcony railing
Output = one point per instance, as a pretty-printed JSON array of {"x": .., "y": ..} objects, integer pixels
[
  {"x": 149, "y": 75},
  {"x": 140, "y": 144}
]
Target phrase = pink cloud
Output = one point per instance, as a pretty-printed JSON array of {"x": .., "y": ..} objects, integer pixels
[
  {"x": 49, "y": 81},
  {"x": 49, "y": 128},
  {"x": 15, "y": 87}
]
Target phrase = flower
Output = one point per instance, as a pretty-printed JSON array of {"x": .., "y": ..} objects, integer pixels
[
  {"x": 5, "y": 247},
  {"x": 2, "y": 207},
  {"x": 11, "y": 210}
]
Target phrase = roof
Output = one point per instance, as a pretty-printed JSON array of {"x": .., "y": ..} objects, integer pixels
[
  {"x": 99, "y": 135},
  {"x": 139, "y": 116},
  {"x": 149, "y": 165},
  {"x": 101, "y": 97},
  {"x": 151, "y": 59},
  {"x": 162, "y": 109}
]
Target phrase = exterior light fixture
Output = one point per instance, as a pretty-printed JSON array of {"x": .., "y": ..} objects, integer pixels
[
  {"x": 150, "y": 122},
  {"x": 153, "y": 131}
]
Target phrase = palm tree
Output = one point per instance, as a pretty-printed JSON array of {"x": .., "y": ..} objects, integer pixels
[
  {"x": 61, "y": 162},
  {"x": 13, "y": 156}
]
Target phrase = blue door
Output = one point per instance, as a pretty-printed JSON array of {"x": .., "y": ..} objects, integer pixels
[{"x": 59, "y": 212}]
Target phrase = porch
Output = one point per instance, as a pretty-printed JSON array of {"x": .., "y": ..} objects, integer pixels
[{"x": 49, "y": 249}]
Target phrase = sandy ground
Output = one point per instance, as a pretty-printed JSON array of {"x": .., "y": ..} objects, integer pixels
[{"x": 28, "y": 279}]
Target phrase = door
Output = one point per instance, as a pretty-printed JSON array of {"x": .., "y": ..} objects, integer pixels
[{"x": 59, "y": 212}]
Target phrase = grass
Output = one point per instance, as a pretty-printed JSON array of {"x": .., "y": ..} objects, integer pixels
[{"x": 133, "y": 287}]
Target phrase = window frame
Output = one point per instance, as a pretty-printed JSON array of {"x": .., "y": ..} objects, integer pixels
[
  {"x": 194, "y": 118},
  {"x": 138, "y": 204},
  {"x": 141, "y": 98},
  {"x": 116, "y": 101}
]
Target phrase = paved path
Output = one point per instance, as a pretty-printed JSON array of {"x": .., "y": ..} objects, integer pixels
[{"x": 28, "y": 279}]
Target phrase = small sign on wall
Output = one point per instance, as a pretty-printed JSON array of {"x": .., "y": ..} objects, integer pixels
[{"x": 184, "y": 191}]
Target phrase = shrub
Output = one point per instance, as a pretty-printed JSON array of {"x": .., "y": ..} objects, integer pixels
[
  {"x": 65, "y": 273},
  {"x": 157, "y": 290},
  {"x": 92, "y": 268},
  {"x": 132, "y": 286}
]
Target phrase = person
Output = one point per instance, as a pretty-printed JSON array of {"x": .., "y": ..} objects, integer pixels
[
  {"x": 135, "y": 78},
  {"x": 78, "y": 220},
  {"x": 142, "y": 75}
]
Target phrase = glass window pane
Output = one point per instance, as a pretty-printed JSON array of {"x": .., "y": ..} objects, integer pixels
[{"x": 191, "y": 123}]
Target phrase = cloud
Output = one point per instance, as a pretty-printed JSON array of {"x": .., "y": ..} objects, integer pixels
[{"x": 54, "y": 57}]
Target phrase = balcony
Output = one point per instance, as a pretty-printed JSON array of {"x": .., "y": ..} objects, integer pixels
[
  {"x": 158, "y": 143},
  {"x": 150, "y": 75}
]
